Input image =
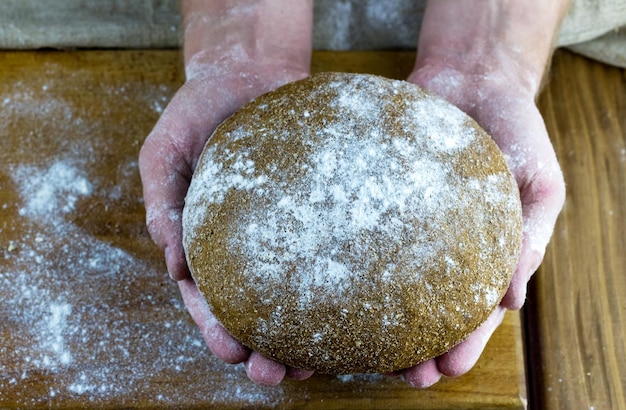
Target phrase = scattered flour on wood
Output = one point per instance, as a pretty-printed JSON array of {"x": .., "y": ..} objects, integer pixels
[
  {"x": 53, "y": 192},
  {"x": 74, "y": 319},
  {"x": 63, "y": 280}
]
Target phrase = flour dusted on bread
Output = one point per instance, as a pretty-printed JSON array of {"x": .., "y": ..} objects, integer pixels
[{"x": 349, "y": 223}]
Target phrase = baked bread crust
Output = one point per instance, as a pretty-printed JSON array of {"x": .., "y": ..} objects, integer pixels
[{"x": 349, "y": 223}]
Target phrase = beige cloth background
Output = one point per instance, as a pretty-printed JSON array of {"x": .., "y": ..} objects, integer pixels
[
  {"x": 27, "y": 24},
  {"x": 596, "y": 28}
]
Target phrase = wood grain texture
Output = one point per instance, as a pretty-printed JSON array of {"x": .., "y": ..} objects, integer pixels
[
  {"x": 577, "y": 310},
  {"x": 88, "y": 317}
]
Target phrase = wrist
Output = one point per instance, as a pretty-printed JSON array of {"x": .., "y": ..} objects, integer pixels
[
  {"x": 277, "y": 32},
  {"x": 507, "y": 41}
]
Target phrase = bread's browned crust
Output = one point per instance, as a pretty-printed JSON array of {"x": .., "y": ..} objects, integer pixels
[{"x": 350, "y": 223}]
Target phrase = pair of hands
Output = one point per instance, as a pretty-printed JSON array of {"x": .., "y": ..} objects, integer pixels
[{"x": 217, "y": 88}]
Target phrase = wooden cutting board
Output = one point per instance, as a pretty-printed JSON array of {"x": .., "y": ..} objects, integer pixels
[{"x": 88, "y": 316}]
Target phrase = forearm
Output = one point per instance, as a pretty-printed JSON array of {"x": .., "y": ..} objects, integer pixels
[
  {"x": 280, "y": 30},
  {"x": 480, "y": 37}
]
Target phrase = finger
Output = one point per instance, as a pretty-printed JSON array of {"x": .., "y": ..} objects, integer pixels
[
  {"x": 461, "y": 358},
  {"x": 264, "y": 371},
  {"x": 422, "y": 375},
  {"x": 542, "y": 201},
  {"x": 298, "y": 374},
  {"x": 219, "y": 341},
  {"x": 166, "y": 164},
  {"x": 524, "y": 141},
  {"x": 164, "y": 190},
  {"x": 529, "y": 261}
]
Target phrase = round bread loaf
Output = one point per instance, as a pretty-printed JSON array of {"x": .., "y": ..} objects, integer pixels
[{"x": 350, "y": 223}]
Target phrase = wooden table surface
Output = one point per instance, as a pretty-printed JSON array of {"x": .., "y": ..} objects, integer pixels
[
  {"x": 576, "y": 313},
  {"x": 89, "y": 318}
]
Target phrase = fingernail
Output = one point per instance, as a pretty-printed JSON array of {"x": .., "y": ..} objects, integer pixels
[{"x": 167, "y": 252}]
